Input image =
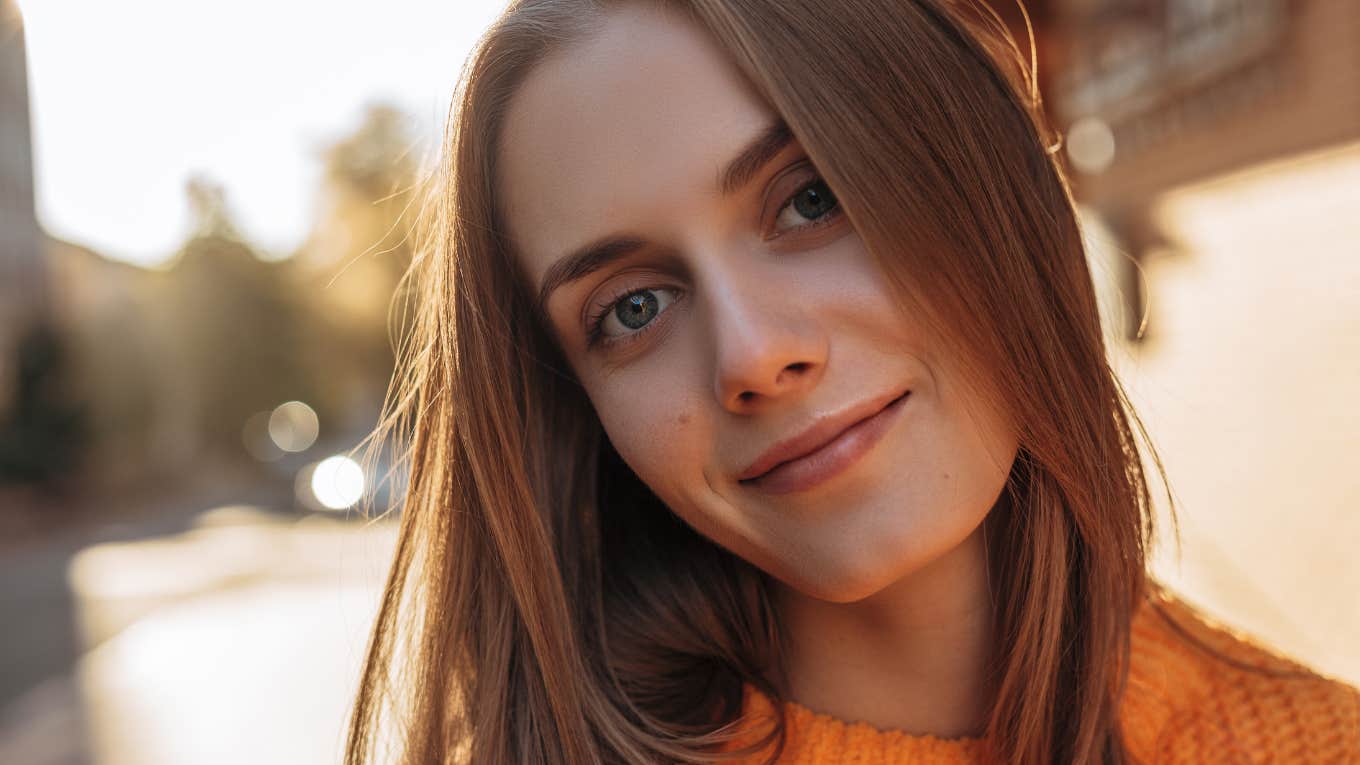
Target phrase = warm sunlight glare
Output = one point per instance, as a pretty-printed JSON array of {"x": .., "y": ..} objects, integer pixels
[{"x": 130, "y": 99}]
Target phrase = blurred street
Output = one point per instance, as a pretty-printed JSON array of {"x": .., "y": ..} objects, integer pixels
[{"x": 236, "y": 639}]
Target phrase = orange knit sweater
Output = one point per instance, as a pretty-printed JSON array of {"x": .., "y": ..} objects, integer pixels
[{"x": 1181, "y": 706}]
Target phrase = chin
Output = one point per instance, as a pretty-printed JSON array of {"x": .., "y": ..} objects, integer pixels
[
  {"x": 837, "y": 583},
  {"x": 876, "y": 556}
]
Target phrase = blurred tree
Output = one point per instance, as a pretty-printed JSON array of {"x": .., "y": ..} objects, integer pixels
[
  {"x": 354, "y": 256},
  {"x": 375, "y": 162},
  {"x": 237, "y": 326},
  {"x": 208, "y": 206}
]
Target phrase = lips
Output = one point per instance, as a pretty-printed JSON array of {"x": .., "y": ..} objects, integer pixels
[{"x": 821, "y": 433}]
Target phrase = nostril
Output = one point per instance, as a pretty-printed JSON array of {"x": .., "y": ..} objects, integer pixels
[{"x": 745, "y": 396}]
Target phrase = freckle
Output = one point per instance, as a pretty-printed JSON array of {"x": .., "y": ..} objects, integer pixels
[{"x": 682, "y": 420}]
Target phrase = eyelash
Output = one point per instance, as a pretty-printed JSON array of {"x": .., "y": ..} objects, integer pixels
[{"x": 595, "y": 336}]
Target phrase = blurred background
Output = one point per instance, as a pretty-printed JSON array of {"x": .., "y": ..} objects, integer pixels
[{"x": 201, "y": 229}]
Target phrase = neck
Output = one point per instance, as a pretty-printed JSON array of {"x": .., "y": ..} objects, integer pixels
[{"x": 912, "y": 657}]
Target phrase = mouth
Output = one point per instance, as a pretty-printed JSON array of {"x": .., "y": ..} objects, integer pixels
[{"x": 822, "y": 452}]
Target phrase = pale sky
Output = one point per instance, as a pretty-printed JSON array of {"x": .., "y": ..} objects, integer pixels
[{"x": 131, "y": 98}]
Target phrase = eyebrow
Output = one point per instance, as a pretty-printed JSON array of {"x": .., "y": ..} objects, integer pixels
[
  {"x": 590, "y": 258},
  {"x": 759, "y": 151}
]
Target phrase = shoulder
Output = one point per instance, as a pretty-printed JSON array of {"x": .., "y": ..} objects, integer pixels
[{"x": 1200, "y": 691}]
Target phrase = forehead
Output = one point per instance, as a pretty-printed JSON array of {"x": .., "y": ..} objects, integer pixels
[{"x": 613, "y": 133}]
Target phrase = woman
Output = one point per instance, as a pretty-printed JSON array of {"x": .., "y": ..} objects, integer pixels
[{"x": 760, "y": 410}]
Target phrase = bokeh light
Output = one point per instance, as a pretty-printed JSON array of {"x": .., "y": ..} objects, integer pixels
[
  {"x": 1090, "y": 145},
  {"x": 293, "y": 426},
  {"x": 337, "y": 482}
]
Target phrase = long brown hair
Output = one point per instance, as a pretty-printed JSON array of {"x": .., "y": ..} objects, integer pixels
[{"x": 545, "y": 607}]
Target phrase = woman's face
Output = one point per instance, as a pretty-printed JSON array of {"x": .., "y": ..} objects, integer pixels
[{"x": 725, "y": 306}]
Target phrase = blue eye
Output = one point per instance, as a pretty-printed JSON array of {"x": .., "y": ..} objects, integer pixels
[
  {"x": 629, "y": 314},
  {"x": 813, "y": 202}
]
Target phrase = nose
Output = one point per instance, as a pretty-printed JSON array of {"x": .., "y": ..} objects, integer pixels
[{"x": 766, "y": 347}]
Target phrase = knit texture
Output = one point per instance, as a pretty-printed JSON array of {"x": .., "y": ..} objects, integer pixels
[{"x": 1182, "y": 705}]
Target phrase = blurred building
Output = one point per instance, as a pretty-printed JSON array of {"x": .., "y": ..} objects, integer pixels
[
  {"x": 1169, "y": 92},
  {"x": 23, "y": 281},
  {"x": 1154, "y": 95},
  {"x": 1214, "y": 146}
]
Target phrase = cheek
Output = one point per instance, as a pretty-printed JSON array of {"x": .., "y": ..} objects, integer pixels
[
  {"x": 659, "y": 434},
  {"x": 857, "y": 299}
]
